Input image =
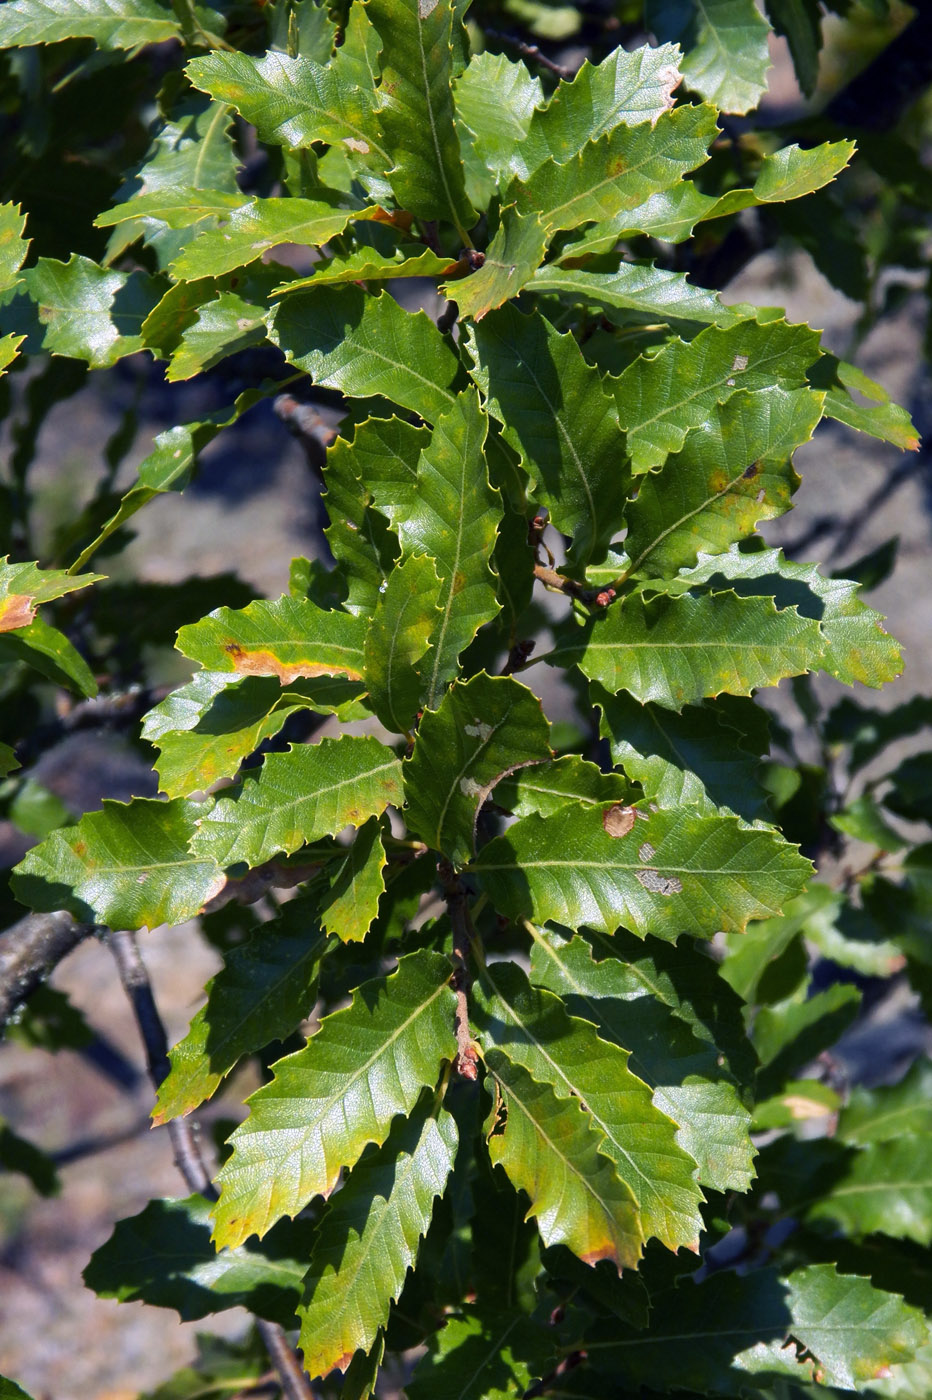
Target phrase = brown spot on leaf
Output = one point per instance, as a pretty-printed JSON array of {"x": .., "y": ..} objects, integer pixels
[
  {"x": 751, "y": 471},
  {"x": 265, "y": 663},
  {"x": 459, "y": 582},
  {"x": 80, "y": 848},
  {"x": 600, "y": 1251},
  {"x": 659, "y": 884},
  {"x": 618, "y": 820},
  {"x": 16, "y": 610},
  {"x": 617, "y": 167}
]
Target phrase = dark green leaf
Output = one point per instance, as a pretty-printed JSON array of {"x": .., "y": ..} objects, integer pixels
[
  {"x": 357, "y": 883},
  {"x": 266, "y": 988},
  {"x": 482, "y": 729},
  {"x": 89, "y": 312},
  {"x": 114, "y": 24},
  {"x": 404, "y": 618}
]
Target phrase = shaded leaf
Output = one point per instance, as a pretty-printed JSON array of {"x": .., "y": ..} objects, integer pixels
[
  {"x": 557, "y": 416},
  {"x": 789, "y": 1035},
  {"x": 893, "y": 1111},
  {"x": 546, "y": 787},
  {"x": 163, "y": 1256},
  {"x": 532, "y": 1029},
  {"x": 674, "y": 873},
  {"x": 365, "y": 345},
  {"x": 725, "y": 42},
  {"x": 404, "y": 618},
  {"x": 369, "y": 1239},
  {"x": 13, "y": 246},
  {"x": 477, "y": 1357},
  {"x": 18, "y": 1154},
  {"x": 369, "y": 265},
  {"x": 299, "y": 796},
  {"x": 550, "y": 1150},
  {"x": 712, "y": 1336},
  {"x": 50, "y": 653},
  {"x": 261, "y": 994},
  {"x": 690, "y": 758},
  {"x": 482, "y": 729},
  {"x": 127, "y": 866},
  {"x": 325, "y": 1104},
  {"x": 885, "y": 1188}
]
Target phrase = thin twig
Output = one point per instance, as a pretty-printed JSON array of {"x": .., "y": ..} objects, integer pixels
[
  {"x": 187, "y": 1151},
  {"x": 594, "y": 597},
  {"x": 29, "y": 951},
  {"x": 530, "y": 51}
]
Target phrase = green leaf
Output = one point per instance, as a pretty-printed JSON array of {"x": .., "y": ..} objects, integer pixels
[
  {"x": 550, "y": 1150},
  {"x": 626, "y": 89},
  {"x": 357, "y": 883},
  {"x": 587, "y": 187},
  {"x": 732, "y": 471},
  {"x": 690, "y": 758},
  {"x": 654, "y": 293},
  {"x": 19, "y": 1155},
  {"x": 127, "y": 866},
  {"x": 532, "y": 1029},
  {"x": 673, "y": 873},
  {"x": 13, "y": 246},
  {"x": 416, "y": 109},
  {"x": 288, "y": 638},
  {"x": 863, "y": 820},
  {"x": 113, "y": 24},
  {"x": 193, "y": 149},
  {"x": 9, "y": 1390},
  {"x": 369, "y": 1239},
  {"x": 257, "y": 227},
  {"x": 296, "y": 101},
  {"x": 791, "y": 1034},
  {"x": 879, "y": 416},
  {"x": 264, "y": 990},
  {"x": 479, "y": 1357},
  {"x": 365, "y": 345},
  {"x": 546, "y": 787},
  {"x": 495, "y": 101},
  {"x": 725, "y": 42},
  {"x": 221, "y": 327},
  {"x": 163, "y": 1256},
  {"x": 887, "y": 1189},
  {"x": 557, "y": 416},
  {"x": 639, "y": 991},
  {"x": 8, "y": 760},
  {"x": 24, "y": 587},
  {"x": 206, "y": 728},
  {"x": 516, "y": 250},
  {"x": 90, "y": 312},
  {"x": 404, "y": 618},
  {"x": 368, "y": 264},
  {"x": 676, "y": 651},
  {"x": 178, "y": 207},
  {"x": 857, "y": 650},
  {"x": 299, "y": 796},
  {"x": 712, "y": 1337},
  {"x": 482, "y": 729},
  {"x": 49, "y": 652},
  {"x": 789, "y": 173},
  {"x": 662, "y": 398},
  {"x": 454, "y": 519},
  {"x": 325, "y": 1104},
  {"x": 750, "y": 964},
  {"x": 893, "y": 1111}
]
